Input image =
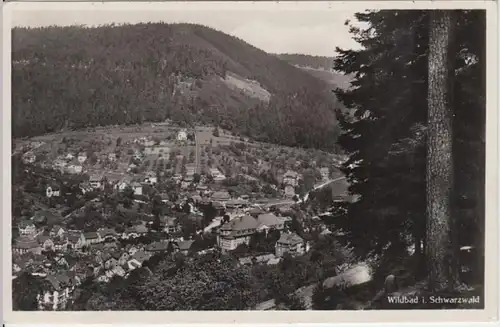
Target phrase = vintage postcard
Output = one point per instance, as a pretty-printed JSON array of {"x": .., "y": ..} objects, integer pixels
[{"x": 278, "y": 162}]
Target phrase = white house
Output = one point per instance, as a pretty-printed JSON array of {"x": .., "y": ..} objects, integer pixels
[
  {"x": 182, "y": 135},
  {"x": 151, "y": 178},
  {"x": 52, "y": 191},
  {"x": 58, "y": 291},
  {"x": 90, "y": 238},
  {"x": 135, "y": 231},
  {"x": 325, "y": 173},
  {"x": 137, "y": 187},
  {"x": 289, "y": 191},
  {"x": 29, "y": 157},
  {"x": 112, "y": 157},
  {"x": 108, "y": 234},
  {"x": 60, "y": 244},
  {"x": 26, "y": 228},
  {"x": 216, "y": 174},
  {"x": 45, "y": 242},
  {"x": 96, "y": 181},
  {"x": 138, "y": 155},
  {"x": 137, "y": 259},
  {"x": 291, "y": 178},
  {"x": 291, "y": 243},
  {"x": 82, "y": 157},
  {"x": 74, "y": 169},
  {"x": 122, "y": 185},
  {"x": 237, "y": 231}
]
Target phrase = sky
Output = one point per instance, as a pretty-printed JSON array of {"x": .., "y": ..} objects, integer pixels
[{"x": 315, "y": 32}]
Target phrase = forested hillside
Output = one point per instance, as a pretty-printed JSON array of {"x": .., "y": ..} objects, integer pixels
[{"x": 75, "y": 77}]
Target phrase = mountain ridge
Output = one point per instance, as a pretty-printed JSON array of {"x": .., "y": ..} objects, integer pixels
[{"x": 90, "y": 76}]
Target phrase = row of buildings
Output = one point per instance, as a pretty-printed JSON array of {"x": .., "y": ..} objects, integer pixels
[{"x": 239, "y": 231}]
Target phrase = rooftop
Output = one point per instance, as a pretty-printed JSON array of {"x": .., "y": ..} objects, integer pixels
[
  {"x": 291, "y": 173},
  {"x": 185, "y": 245},
  {"x": 25, "y": 242},
  {"x": 241, "y": 223},
  {"x": 60, "y": 281},
  {"x": 221, "y": 195},
  {"x": 236, "y": 202},
  {"x": 96, "y": 178},
  {"x": 157, "y": 246},
  {"x": 91, "y": 235},
  {"x": 141, "y": 256},
  {"x": 107, "y": 232},
  {"x": 290, "y": 239},
  {"x": 25, "y": 223},
  {"x": 269, "y": 219},
  {"x": 139, "y": 229}
]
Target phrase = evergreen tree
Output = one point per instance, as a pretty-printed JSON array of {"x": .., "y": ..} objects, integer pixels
[
  {"x": 381, "y": 129},
  {"x": 384, "y": 133}
]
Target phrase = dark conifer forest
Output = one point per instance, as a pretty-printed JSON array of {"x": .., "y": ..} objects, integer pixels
[
  {"x": 386, "y": 137},
  {"x": 77, "y": 77}
]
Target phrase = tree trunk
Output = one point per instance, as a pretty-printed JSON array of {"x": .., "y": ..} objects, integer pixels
[{"x": 440, "y": 249}]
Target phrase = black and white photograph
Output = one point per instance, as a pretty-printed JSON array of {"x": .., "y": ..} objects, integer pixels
[{"x": 189, "y": 158}]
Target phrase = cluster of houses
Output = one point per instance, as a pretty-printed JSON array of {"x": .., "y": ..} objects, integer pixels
[
  {"x": 77, "y": 255},
  {"x": 70, "y": 163},
  {"x": 100, "y": 254},
  {"x": 74, "y": 163},
  {"x": 64, "y": 272},
  {"x": 239, "y": 231},
  {"x": 152, "y": 147}
]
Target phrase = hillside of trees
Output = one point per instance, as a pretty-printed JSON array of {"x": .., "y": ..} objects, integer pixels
[{"x": 77, "y": 77}]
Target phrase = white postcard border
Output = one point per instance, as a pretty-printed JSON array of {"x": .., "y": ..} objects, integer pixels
[{"x": 142, "y": 317}]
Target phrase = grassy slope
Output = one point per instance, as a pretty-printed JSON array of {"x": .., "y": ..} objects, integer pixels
[{"x": 318, "y": 66}]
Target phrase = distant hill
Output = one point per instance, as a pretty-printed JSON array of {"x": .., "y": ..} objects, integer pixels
[
  {"x": 317, "y": 62},
  {"x": 320, "y": 67},
  {"x": 330, "y": 77},
  {"x": 74, "y": 77}
]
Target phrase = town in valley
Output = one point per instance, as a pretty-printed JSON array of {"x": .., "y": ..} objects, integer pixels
[
  {"x": 195, "y": 165},
  {"x": 103, "y": 202}
]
